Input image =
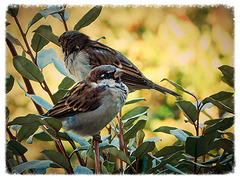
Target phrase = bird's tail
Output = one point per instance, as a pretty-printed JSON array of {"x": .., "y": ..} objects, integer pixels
[{"x": 165, "y": 90}]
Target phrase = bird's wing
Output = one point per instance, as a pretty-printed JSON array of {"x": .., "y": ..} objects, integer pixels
[
  {"x": 81, "y": 98},
  {"x": 101, "y": 54}
]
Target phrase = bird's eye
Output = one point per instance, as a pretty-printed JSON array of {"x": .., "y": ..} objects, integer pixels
[{"x": 107, "y": 75}]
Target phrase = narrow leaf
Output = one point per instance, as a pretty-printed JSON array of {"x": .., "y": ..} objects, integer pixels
[
  {"x": 130, "y": 133},
  {"x": 27, "y": 68},
  {"x": 222, "y": 95},
  {"x": 25, "y": 132},
  {"x": 119, "y": 154},
  {"x": 135, "y": 101},
  {"x": 51, "y": 123},
  {"x": 36, "y": 164},
  {"x": 225, "y": 144},
  {"x": 14, "y": 40},
  {"x": 168, "y": 150},
  {"x": 188, "y": 109},
  {"x": 9, "y": 83},
  {"x": 66, "y": 83},
  {"x": 16, "y": 147},
  {"x": 167, "y": 129},
  {"x": 82, "y": 170},
  {"x": 218, "y": 104},
  {"x": 40, "y": 101},
  {"x": 180, "y": 87},
  {"x": 88, "y": 18},
  {"x": 59, "y": 94},
  {"x": 180, "y": 134},
  {"x": 46, "y": 32},
  {"x": 59, "y": 64},
  {"x": 174, "y": 169},
  {"x": 35, "y": 19},
  {"x": 46, "y": 57},
  {"x": 29, "y": 120},
  {"x": 144, "y": 148},
  {"x": 56, "y": 157}
]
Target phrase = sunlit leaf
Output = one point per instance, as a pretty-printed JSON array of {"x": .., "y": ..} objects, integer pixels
[
  {"x": 36, "y": 164},
  {"x": 46, "y": 57},
  {"x": 46, "y": 32},
  {"x": 56, "y": 157},
  {"x": 88, "y": 18},
  {"x": 179, "y": 87},
  {"x": 27, "y": 69},
  {"x": 16, "y": 147},
  {"x": 40, "y": 101},
  {"x": 196, "y": 146},
  {"x": 9, "y": 83},
  {"x": 180, "y": 134},
  {"x": 59, "y": 64},
  {"x": 135, "y": 101}
]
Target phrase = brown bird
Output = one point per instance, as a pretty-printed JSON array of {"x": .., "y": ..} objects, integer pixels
[
  {"x": 81, "y": 55},
  {"x": 92, "y": 103}
]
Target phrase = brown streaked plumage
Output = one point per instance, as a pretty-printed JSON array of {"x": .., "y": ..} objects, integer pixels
[
  {"x": 92, "y": 103},
  {"x": 81, "y": 54}
]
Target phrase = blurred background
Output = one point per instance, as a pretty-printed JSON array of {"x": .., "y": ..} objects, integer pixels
[{"x": 185, "y": 44}]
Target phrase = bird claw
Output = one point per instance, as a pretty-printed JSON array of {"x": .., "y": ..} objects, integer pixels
[{"x": 97, "y": 137}]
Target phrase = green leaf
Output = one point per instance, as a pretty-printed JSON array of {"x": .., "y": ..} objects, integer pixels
[
  {"x": 188, "y": 109},
  {"x": 13, "y": 10},
  {"x": 7, "y": 112},
  {"x": 82, "y": 170},
  {"x": 173, "y": 169},
  {"x": 222, "y": 95},
  {"x": 129, "y": 117},
  {"x": 228, "y": 74},
  {"x": 54, "y": 10},
  {"x": 144, "y": 148},
  {"x": 20, "y": 85},
  {"x": 168, "y": 150},
  {"x": 66, "y": 83},
  {"x": 135, "y": 101},
  {"x": 196, "y": 146},
  {"x": 29, "y": 120},
  {"x": 56, "y": 157},
  {"x": 36, "y": 164},
  {"x": 109, "y": 165},
  {"x": 38, "y": 42},
  {"x": 218, "y": 104},
  {"x": 35, "y": 19},
  {"x": 14, "y": 40},
  {"x": 79, "y": 140},
  {"x": 16, "y": 147},
  {"x": 180, "y": 134},
  {"x": 167, "y": 129},
  {"x": 59, "y": 65},
  {"x": 46, "y": 32},
  {"x": 51, "y": 123},
  {"x": 119, "y": 154},
  {"x": 180, "y": 87},
  {"x": 59, "y": 94},
  {"x": 88, "y": 18},
  {"x": 9, "y": 83},
  {"x": 220, "y": 125},
  {"x": 225, "y": 144},
  {"x": 25, "y": 132},
  {"x": 27, "y": 68},
  {"x": 152, "y": 139},
  {"x": 46, "y": 57},
  {"x": 130, "y": 133},
  {"x": 40, "y": 101}
]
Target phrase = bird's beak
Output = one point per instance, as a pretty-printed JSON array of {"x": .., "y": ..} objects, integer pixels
[{"x": 118, "y": 73}]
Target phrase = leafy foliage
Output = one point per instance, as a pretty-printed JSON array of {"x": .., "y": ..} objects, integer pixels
[{"x": 210, "y": 150}]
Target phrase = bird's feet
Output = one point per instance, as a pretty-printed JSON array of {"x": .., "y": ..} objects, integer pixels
[{"x": 97, "y": 137}]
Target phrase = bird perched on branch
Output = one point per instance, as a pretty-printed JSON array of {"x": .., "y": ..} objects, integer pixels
[
  {"x": 81, "y": 55},
  {"x": 92, "y": 103}
]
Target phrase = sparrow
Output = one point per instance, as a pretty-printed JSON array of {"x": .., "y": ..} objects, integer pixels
[
  {"x": 81, "y": 55},
  {"x": 92, "y": 103}
]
